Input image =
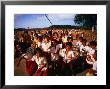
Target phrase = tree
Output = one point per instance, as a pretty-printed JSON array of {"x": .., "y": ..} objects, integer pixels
[{"x": 86, "y": 20}]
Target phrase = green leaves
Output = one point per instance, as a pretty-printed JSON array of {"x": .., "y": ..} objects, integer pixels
[{"x": 86, "y": 20}]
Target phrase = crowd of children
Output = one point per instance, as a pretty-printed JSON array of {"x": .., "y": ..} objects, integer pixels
[{"x": 54, "y": 54}]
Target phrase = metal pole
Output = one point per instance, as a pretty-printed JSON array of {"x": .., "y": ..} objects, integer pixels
[{"x": 49, "y": 21}]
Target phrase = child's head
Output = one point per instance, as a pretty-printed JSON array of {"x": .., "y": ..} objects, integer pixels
[
  {"x": 80, "y": 39},
  {"x": 93, "y": 44},
  {"x": 33, "y": 45},
  {"x": 38, "y": 52},
  {"x": 84, "y": 42},
  {"x": 46, "y": 39},
  {"x": 31, "y": 33},
  {"x": 68, "y": 45},
  {"x": 54, "y": 42},
  {"x": 55, "y": 34},
  {"x": 70, "y": 39},
  {"x": 66, "y": 32},
  {"x": 39, "y": 38}
]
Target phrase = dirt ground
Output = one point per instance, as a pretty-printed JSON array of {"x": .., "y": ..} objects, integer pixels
[{"x": 21, "y": 69}]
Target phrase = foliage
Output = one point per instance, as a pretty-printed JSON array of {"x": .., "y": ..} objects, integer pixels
[{"x": 86, "y": 20}]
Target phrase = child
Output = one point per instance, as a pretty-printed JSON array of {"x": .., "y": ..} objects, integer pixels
[
  {"x": 54, "y": 50},
  {"x": 56, "y": 36},
  {"x": 54, "y": 57},
  {"x": 38, "y": 42},
  {"x": 70, "y": 39},
  {"x": 79, "y": 42},
  {"x": 91, "y": 55},
  {"x": 92, "y": 48},
  {"x": 41, "y": 62},
  {"x": 83, "y": 48},
  {"x": 45, "y": 46},
  {"x": 68, "y": 57},
  {"x": 65, "y": 36}
]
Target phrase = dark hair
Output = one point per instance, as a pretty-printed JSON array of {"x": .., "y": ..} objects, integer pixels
[
  {"x": 53, "y": 42},
  {"x": 66, "y": 32},
  {"x": 36, "y": 35},
  {"x": 40, "y": 38},
  {"x": 84, "y": 40},
  {"x": 39, "y": 51},
  {"x": 81, "y": 38},
  {"x": 69, "y": 38},
  {"x": 31, "y": 32},
  {"x": 93, "y": 43},
  {"x": 55, "y": 33},
  {"x": 46, "y": 36},
  {"x": 69, "y": 44}
]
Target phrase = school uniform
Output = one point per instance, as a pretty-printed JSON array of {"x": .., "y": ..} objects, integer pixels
[
  {"x": 55, "y": 63},
  {"x": 54, "y": 52},
  {"x": 69, "y": 56},
  {"x": 38, "y": 44},
  {"x": 81, "y": 61},
  {"x": 42, "y": 66},
  {"x": 64, "y": 39},
  {"x": 78, "y": 44},
  {"x": 46, "y": 46},
  {"x": 89, "y": 59},
  {"x": 54, "y": 55},
  {"x": 67, "y": 65},
  {"x": 83, "y": 50}
]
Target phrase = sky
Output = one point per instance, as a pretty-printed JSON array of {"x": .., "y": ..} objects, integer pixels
[{"x": 41, "y": 21}]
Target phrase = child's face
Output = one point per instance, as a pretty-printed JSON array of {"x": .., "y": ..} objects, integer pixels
[
  {"x": 84, "y": 43},
  {"x": 92, "y": 46},
  {"x": 54, "y": 43},
  {"x": 80, "y": 40},
  {"x": 67, "y": 47},
  {"x": 32, "y": 45},
  {"x": 38, "y": 39},
  {"x": 70, "y": 40},
  {"x": 46, "y": 40},
  {"x": 55, "y": 35},
  {"x": 37, "y": 54}
]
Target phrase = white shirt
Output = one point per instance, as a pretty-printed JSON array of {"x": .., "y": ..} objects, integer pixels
[
  {"x": 62, "y": 52},
  {"x": 41, "y": 61},
  {"x": 67, "y": 57},
  {"x": 54, "y": 54},
  {"x": 64, "y": 39},
  {"x": 46, "y": 46},
  {"x": 78, "y": 44},
  {"x": 84, "y": 49},
  {"x": 91, "y": 51},
  {"x": 39, "y": 44},
  {"x": 59, "y": 46}
]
